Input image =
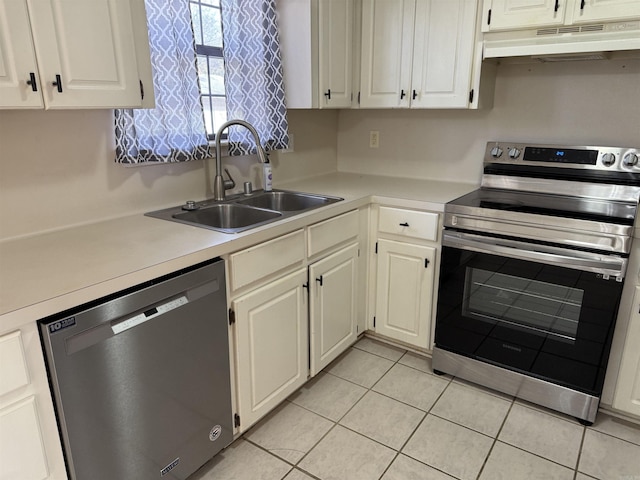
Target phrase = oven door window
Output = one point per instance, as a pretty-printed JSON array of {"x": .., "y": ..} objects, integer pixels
[
  {"x": 547, "y": 321},
  {"x": 541, "y": 307}
]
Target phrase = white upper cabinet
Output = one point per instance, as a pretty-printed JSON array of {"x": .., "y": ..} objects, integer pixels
[
  {"x": 605, "y": 10},
  {"x": 513, "y": 14},
  {"x": 443, "y": 53},
  {"x": 317, "y": 47},
  {"x": 387, "y": 52},
  {"x": 527, "y": 14},
  {"x": 19, "y": 80},
  {"x": 86, "y": 53},
  {"x": 417, "y": 53},
  {"x": 335, "y": 21}
]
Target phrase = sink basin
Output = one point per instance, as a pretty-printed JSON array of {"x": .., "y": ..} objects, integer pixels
[
  {"x": 227, "y": 217},
  {"x": 288, "y": 201},
  {"x": 239, "y": 213}
]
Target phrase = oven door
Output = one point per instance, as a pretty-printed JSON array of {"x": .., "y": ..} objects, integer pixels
[{"x": 544, "y": 311}]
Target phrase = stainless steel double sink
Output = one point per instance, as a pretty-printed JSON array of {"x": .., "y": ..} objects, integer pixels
[{"x": 242, "y": 212}]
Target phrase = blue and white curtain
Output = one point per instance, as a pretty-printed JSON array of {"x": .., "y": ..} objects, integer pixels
[
  {"x": 174, "y": 131},
  {"x": 253, "y": 74}
]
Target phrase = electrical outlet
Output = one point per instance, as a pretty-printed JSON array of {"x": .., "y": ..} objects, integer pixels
[{"x": 374, "y": 139}]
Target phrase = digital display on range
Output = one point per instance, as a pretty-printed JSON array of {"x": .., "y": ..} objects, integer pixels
[{"x": 560, "y": 155}]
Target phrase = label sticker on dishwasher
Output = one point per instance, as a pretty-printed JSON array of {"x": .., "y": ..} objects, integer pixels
[
  {"x": 147, "y": 315},
  {"x": 61, "y": 324}
]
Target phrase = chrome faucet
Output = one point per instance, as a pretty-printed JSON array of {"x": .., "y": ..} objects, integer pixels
[{"x": 219, "y": 184}]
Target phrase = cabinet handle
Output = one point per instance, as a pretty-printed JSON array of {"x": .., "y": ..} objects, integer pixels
[
  {"x": 305, "y": 285},
  {"x": 319, "y": 280},
  {"x": 32, "y": 81},
  {"x": 328, "y": 94},
  {"x": 404, "y": 224},
  {"x": 426, "y": 262},
  {"x": 582, "y": 5},
  {"x": 402, "y": 94},
  {"x": 58, "y": 83},
  {"x": 415, "y": 94},
  {"x": 555, "y": 9}
]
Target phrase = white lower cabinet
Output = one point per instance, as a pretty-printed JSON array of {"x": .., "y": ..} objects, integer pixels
[
  {"x": 627, "y": 393},
  {"x": 271, "y": 345},
  {"x": 21, "y": 451},
  {"x": 29, "y": 442},
  {"x": 405, "y": 282},
  {"x": 332, "y": 306},
  {"x": 294, "y": 302}
]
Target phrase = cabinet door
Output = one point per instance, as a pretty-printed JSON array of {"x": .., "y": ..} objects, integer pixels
[
  {"x": 17, "y": 58},
  {"x": 333, "y": 296},
  {"x": 89, "y": 47},
  {"x": 605, "y": 10},
  {"x": 21, "y": 451},
  {"x": 443, "y": 53},
  {"x": 387, "y": 46},
  {"x": 335, "y": 22},
  {"x": 627, "y": 393},
  {"x": 405, "y": 291},
  {"x": 272, "y": 345},
  {"x": 523, "y": 14}
]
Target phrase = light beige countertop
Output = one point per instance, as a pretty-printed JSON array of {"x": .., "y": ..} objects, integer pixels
[{"x": 44, "y": 274}]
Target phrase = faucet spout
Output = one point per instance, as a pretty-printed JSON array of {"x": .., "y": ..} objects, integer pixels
[{"x": 218, "y": 182}]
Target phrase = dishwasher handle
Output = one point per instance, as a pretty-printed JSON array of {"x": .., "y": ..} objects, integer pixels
[{"x": 106, "y": 330}]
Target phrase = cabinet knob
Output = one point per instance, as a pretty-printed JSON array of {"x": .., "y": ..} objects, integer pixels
[
  {"x": 32, "y": 81},
  {"x": 58, "y": 83}
]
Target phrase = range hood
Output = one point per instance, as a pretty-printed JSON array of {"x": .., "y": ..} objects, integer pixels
[{"x": 566, "y": 42}]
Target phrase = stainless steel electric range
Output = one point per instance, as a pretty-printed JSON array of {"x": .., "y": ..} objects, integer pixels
[{"x": 532, "y": 270}]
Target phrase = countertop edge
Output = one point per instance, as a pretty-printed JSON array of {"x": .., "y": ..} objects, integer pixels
[{"x": 357, "y": 190}]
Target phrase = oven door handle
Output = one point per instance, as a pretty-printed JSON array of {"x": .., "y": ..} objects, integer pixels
[{"x": 575, "y": 259}]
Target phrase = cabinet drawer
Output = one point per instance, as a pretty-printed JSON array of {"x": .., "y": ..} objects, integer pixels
[
  {"x": 13, "y": 371},
  {"x": 331, "y": 232},
  {"x": 266, "y": 258},
  {"x": 410, "y": 223}
]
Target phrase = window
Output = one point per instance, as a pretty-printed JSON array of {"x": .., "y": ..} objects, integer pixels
[{"x": 207, "y": 30}]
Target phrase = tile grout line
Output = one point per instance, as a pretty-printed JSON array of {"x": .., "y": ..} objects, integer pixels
[
  {"x": 584, "y": 434},
  {"x": 336, "y": 423},
  {"x": 495, "y": 440}
]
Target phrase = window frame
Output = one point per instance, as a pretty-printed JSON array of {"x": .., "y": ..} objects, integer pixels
[{"x": 210, "y": 52}]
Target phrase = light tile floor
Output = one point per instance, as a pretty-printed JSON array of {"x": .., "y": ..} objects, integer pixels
[{"x": 379, "y": 413}]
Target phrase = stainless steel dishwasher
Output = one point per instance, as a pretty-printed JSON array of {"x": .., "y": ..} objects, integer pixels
[{"x": 141, "y": 379}]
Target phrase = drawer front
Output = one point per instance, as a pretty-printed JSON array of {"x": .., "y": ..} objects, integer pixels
[
  {"x": 256, "y": 262},
  {"x": 410, "y": 223},
  {"x": 331, "y": 232},
  {"x": 13, "y": 365}
]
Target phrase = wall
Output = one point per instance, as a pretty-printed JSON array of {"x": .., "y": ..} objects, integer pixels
[
  {"x": 57, "y": 169},
  {"x": 580, "y": 103}
]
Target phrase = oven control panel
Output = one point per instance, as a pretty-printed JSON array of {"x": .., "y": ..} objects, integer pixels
[{"x": 620, "y": 159}]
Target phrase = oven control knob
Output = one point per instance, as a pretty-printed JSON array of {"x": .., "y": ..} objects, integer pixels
[
  {"x": 608, "y": 159},
  {"x": 496, "y": 152},
  {"x": 630, "y": 160},
  {"x": 514, "y": 153}
]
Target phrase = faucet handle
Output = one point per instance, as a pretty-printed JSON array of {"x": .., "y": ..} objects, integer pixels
[{"x": 231, "y": 183}]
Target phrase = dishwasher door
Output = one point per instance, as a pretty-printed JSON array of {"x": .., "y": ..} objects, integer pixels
[{"x": 141, "y": 379}]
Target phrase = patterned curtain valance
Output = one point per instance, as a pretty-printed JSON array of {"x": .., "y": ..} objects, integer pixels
[
  {"x": 253, "y": 74},
  {"x": 174, "y": 131}
]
